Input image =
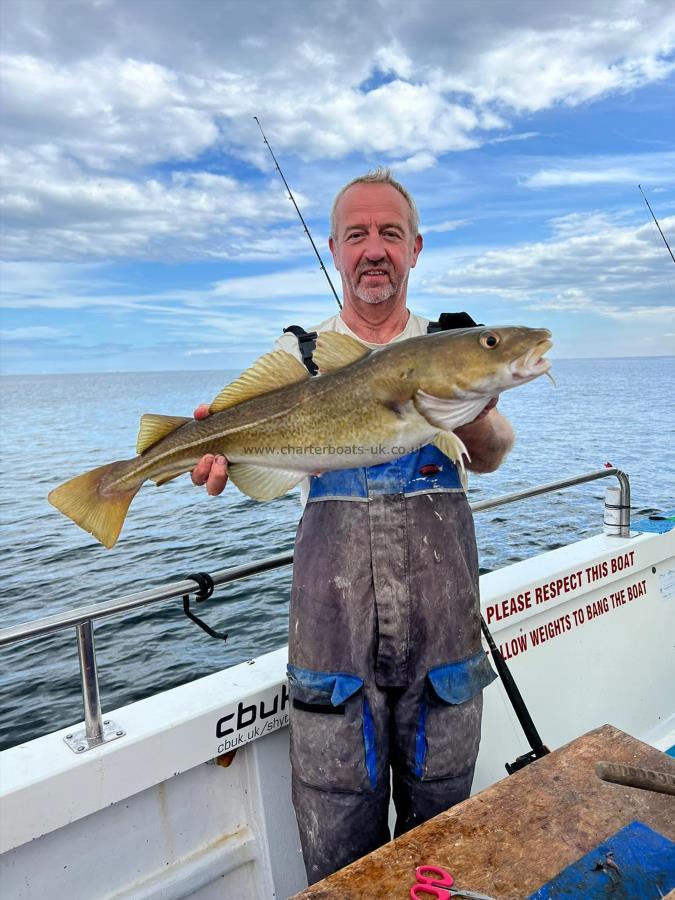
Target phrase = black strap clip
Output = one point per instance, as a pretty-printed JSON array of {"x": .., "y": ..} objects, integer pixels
[
  {"x": 526, "y": 758},
  {"x": 307, "y": 345},
  {"x": 205, "y": 590}
]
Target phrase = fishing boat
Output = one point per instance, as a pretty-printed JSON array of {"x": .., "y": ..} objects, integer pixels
[{"x": 187, "y": 793}]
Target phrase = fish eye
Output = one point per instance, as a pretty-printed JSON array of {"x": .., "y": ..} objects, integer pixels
[{"x": 489, "y": 340}]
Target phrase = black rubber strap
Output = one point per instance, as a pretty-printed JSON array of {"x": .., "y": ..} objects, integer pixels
[
  {"x": 204, "y": 591},
  {"x": 205, "y": 583},
  {"x": 307, "y": 345}
]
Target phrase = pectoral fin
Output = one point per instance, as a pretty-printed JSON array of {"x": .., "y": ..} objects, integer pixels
[
  {"x": 262, "y": 483},
  {"x": 450, "y": 445},
  {"x": 272, "y": 371},
  {"x": 449, "y": 414},
  {"x": 154, "y": 427},
  {"x": 335, "y": 351}
]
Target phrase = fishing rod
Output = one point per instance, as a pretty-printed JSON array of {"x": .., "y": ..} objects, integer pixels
[
  {"x": 657, "y": 223},
  {"x": 292, "y": 199},
  {"x": 539, "y": 749}
]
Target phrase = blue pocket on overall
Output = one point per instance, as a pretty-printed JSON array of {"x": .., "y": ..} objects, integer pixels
[
  {"x": 332, "y": 731},
  {"x": 448, "y": 727}
]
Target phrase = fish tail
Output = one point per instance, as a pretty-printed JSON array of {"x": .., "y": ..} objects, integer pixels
[{"x": 97, "y": 508}]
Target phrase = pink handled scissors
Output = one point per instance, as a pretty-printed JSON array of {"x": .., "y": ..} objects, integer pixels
[{"x": 433, "y": 881}]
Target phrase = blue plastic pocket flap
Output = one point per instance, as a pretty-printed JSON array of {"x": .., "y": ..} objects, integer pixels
[
  {"x": 322, "y": 687},
  {"x": 459, "y": 681}
]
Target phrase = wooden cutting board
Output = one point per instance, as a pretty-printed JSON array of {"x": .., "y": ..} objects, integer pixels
[{"x": 515, "y": 836}]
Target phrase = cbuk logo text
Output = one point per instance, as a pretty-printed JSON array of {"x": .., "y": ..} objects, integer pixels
[{"x": 256, "y": 718}]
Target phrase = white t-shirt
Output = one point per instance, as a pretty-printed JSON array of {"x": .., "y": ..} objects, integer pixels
[{"x": 415, "y": 326}]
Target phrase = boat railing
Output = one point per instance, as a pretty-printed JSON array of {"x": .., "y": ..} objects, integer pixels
[{"x": 98, "y": 730}]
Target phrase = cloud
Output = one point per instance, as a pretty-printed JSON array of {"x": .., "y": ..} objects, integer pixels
[
  {"x": 204, "y": 351},
  {"x": 446, "y": 225},
  {"x": 653, "y": 168},
  {"x": 560, "y": 178},
  {"x": 124, "y": 122},
  {"x": 128, "y": 135},
  {"x": 595, "y": 262},
  {"x": 106, "y": 109},
  {"x": 287, "y": 283},
  {"x": 133, "y": 89},
  {"x": 570, "y": 61},
  {"x": 521, "y": 136},
  {"x": 49, "y": 286},
  {"x": 592, "y": 264},
  {"x": 112, "y": 110},
  {"x": 54, "y": 210},
  {"x": 417, "y": 163},
  {"x": 33, "y": 333}
]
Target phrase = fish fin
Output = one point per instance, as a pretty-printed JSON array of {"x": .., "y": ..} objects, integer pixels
[
  {"x": 448, "y": 414},
  {"x": 154, "y": 427},
  {"x": 393, "y": 392},
  {"x": 335, "y": 350},
  {"x": 166, "y": 476},
  {"x": 98, "y": 512},
  {"x": 262, "y": 483},
  {"x": 269, "y": 373},
  {"x": 453, "y": 447}
]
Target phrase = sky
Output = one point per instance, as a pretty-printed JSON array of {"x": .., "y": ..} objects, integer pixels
[{"x": 144, "y": 226}]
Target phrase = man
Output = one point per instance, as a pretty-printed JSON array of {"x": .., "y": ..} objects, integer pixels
[{"x": 386, "y": 668}]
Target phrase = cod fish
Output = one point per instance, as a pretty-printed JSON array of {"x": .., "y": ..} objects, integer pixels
[{"x": 276, "y": 424}]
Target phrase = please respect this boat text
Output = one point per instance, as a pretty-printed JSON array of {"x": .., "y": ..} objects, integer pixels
[{"x": 559, "y": 587}]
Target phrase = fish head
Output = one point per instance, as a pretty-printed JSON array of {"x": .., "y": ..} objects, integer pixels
[{"x": 485, "y": 361}]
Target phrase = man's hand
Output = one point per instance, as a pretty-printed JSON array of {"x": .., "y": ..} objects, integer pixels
[
  {"x": 488, "y": 438},
  {"x": 210, "y": 470}
]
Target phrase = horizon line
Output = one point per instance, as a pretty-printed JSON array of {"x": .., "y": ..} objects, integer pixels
[{"x": 238, "y": 369}]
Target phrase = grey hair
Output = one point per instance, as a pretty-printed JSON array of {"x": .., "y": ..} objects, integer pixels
[{"x": 381, "y": 175}]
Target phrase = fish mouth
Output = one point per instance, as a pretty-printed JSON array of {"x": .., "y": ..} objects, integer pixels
[{"x": 532, "y": 363}]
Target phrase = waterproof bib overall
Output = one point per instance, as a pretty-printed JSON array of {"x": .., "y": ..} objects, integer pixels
[{"x": 386, "y": 666}]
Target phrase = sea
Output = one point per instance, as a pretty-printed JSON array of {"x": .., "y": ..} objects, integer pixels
[{"x": 617, "y": 411}]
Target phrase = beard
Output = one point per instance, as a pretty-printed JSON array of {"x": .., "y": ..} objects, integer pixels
[{"x": 377, "y": 293}]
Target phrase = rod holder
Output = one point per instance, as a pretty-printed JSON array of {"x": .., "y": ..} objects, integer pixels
[
  {"x": 86, "y": 651},
  {"x": 624, "y": 504}
]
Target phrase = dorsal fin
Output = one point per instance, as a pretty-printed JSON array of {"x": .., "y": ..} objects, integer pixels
[
  {"x": 154, "y": 427},
  {"x": 269, "y": 373},
  {"x": 335, "y": 350}
]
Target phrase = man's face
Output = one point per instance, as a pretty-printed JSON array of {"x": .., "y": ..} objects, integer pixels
[{"x": 374, "y": 248}]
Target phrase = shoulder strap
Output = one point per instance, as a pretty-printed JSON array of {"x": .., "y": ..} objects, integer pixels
[
  {"x": 307, "y": 346},
  {"x": 450, "y": 321},
  {"x": 307, "y": 339}
]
